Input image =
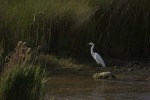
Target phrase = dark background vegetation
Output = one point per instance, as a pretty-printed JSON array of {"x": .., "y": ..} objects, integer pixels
[{"x": 119, "y": 28}]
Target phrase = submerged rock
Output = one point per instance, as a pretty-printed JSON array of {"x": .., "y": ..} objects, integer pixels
[
  {"x": 148, "y": 79},
  {"x": 79, "y": 69},
  {"x": 130, "y": 69},
  {"x": 104, "y": 75}
]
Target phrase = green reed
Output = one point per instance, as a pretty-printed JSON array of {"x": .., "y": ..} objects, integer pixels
[
  {"x": 38, "y": 21},
  {"x": 118, "y": 28},
  {"x": 21, "y": 79},
  {"x": 23, "y": 83}
]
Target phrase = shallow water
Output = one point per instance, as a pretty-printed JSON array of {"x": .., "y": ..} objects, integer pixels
[{"x": 125, "y": 87}]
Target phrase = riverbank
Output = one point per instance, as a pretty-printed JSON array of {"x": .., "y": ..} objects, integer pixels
[{"x": 69, "y": 66}]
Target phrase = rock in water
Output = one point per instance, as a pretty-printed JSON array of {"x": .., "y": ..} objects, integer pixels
[
  {"x": 104, "y": 75},
  {"x": 148, "y": 79}
]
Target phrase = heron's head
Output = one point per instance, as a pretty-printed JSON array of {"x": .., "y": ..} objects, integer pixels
[{"x": 91, "y": 43}]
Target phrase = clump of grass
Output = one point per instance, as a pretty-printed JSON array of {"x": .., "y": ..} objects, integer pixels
[
  {"x": 20, "y": 56},
  {"x": 52, "y": 62},
  {"x": 23, "y": 83},
  {"x": 21, "y": 80}
]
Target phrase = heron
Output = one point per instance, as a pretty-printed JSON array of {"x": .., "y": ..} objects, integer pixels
[{"x": 96, "y": 56}]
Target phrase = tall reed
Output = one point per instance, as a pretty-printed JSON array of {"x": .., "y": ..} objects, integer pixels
[
  {"x": 120, "y": 28},
  {"x": 44, "y": 22},
  {"x": 20, "y": 78},
  {"x": 117, "y": 27},
  {"x": 23, "y": 83}
]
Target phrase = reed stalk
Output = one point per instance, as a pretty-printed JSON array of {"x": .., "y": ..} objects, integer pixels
[
  {"x": 20, "y": 78},
  {"x": 119, "y": 28}
]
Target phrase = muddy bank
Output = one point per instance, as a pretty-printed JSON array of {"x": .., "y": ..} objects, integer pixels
[{"x": 115, "y": 66}]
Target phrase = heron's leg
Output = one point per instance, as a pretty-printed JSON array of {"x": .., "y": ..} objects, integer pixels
[
  {"x": 97, "y": 69},
  {"x": 104, "y": 69}
]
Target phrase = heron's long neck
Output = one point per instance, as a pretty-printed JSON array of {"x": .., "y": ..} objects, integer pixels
[{"x": 92, "y": 49}]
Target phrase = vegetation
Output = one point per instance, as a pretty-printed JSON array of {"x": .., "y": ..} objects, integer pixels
[
  {"x": 23, "y": 83},
  {"x": 40, "y": 22},
  {"x": 54, "y": 63},
  {"x": 117, "y": 27},
  {"x": 21, "y": 79}
]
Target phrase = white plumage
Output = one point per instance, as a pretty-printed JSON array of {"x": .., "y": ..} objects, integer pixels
[{"x": 96, "y": 56}]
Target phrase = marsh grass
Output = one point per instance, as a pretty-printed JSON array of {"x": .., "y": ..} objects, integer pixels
[
  {"x": 118, "y": 28},
  {"x": 52, "y": 62},
  {"x": 46, "y": 21},
  {"x": 20, "y": 56},
  {"x": 1, "y": 58},
  {"x": 23, "y": 83},
  {"x": 20, "y": 78},
  {"x": 121, "y": 29}
]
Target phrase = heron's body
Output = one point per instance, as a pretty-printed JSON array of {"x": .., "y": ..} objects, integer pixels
[{"x": 96, "y": 56}]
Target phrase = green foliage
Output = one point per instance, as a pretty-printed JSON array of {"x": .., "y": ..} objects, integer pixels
[
  {"x": 23, "y": 83},
  {"x": 1, "y": 57},
  {"x": 117, "y": 27},
  {"x": 20, "y": 79},
  {"x": 123, "y": 29},
  {"x": 53, "y": 63},
  {"x": 39, "y": 22}
]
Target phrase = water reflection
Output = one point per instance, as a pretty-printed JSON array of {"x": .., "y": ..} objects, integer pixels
[{"x": 87, "y": 88}]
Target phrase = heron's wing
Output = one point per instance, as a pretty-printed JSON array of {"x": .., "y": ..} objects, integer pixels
[{"x": 99, "y": 59}]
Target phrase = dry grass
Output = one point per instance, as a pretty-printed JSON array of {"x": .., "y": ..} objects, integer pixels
[
  {"x": 21, "y": 80},
  {"x": 20, "y": 56}
]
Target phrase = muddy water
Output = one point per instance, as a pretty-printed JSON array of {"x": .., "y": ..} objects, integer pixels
[{"x": 125, "y": 87}]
